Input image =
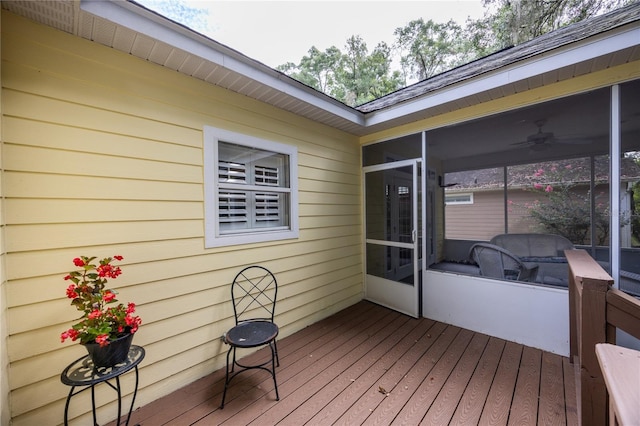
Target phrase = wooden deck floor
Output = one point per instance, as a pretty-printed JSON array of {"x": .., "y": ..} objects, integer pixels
[{"x": 370, "y": 365}]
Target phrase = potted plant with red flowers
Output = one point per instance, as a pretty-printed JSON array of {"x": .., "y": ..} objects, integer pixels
[{"x": 105, "y": 329}]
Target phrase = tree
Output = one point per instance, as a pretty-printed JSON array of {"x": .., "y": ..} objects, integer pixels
[
  {"x": 565, "y": 208},
  {"x": 363, "y": 77},
  {"x": 353, "y": 77},
  {"x": 317, "y": 69},
  {"x": 515, "y": 21},
  {"x": 428, "y": 48},
  {"x": 385, "y": 79}
]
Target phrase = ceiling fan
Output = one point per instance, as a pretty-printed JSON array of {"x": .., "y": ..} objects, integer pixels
[{"x": 542, "y": 140}]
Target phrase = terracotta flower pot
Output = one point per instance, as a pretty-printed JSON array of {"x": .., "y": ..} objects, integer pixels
[{"x": 114, "y": 353}]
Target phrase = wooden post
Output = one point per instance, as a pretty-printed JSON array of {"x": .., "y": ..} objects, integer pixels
[
  {"x": 574, "y": 333},
  {"x": 589, "y": 284},
  {"x": 593, "y": 329}
]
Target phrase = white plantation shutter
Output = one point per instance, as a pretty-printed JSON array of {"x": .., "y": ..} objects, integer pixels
[
  {"x": 267, "y": 208},
  {"x": 240, "y": 209},
  {"x": 232, "y": 172},
  {"x": 232, "y": 205},
  {"x": 233, "y": 209},
  {"x": 267, "y": 204},
  {"x": 266, "y": 176}
]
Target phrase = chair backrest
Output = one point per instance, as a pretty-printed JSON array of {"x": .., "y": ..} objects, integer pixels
[
  {"x": 496, "y": 262},
  {"x": 533, "y": 245},
  {"x": 253, "y": 293}
]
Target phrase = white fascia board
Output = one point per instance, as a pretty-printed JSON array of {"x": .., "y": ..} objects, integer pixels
[
  {"x": 523, "y": 69},
  {"x": 138, "y": 19}
]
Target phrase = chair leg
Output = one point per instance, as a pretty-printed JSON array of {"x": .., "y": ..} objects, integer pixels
[
  {"x": 274, "y": 356},
  {"x": 233, "y": 364},
  {"x": 274, "y": 359},
  {"x": 226, "y": 378}
]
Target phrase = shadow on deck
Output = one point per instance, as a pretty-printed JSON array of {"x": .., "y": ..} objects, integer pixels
[{"x": 371, "y": 365}]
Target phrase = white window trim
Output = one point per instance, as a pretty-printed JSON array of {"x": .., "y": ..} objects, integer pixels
[
  {"x": 212, "y": 236},
  {"x": 457, "y": 203}
]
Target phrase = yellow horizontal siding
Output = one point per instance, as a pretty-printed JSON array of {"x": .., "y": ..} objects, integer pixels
[
  {"x": 49, "y": 135},
  {"x": 29, "y": 159},
  {"x": 30, "y": 210},
  {"x": 40, "y": 185},
  {"x": 103, "y": 156},
  {"x": 32, "y": 316},
  {"x": 51, "y": 236}
]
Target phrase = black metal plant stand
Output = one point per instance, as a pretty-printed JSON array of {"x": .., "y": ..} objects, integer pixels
[{"x": 82, "y": 373}]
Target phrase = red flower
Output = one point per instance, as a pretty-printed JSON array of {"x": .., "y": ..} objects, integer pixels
[
  {"x": 78, "y": 262},
  {"x": 104, "y": 270},
  {"x": 133, "y": 322},
  {"x": 117, "y": 257},
  {"x": 108, "y": 271},
  {"x": 131, "y": 308},
  {"x": 69, "y": 334},
  {"x": 108, "y": 296},
  {"x": 68, "y": 277},
  {"x": 71, "y": 291},
  {"x": 102, "y": 339},
  {"x": 95, "y": 314}
]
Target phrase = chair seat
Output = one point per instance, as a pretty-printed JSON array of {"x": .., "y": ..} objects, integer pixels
[{"x": 252, "y": 333}]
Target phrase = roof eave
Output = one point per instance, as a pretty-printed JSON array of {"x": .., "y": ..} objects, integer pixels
[
  {"x": 143, "y": 21},
  {"x": 438, "y": 94},
  {"x": 587, "y": 49}
]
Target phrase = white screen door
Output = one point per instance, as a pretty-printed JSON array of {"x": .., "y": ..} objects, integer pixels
[{"x": 391, "y": 224}]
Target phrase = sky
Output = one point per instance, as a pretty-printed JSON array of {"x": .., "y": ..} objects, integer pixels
[{"x": 277, "y": 32}]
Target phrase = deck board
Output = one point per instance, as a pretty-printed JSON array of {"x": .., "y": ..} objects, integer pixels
[
  {"x": 368, "y": 365},
  {"x": 431, "y": 383},
  {"x": 498, "y": 404},
  {"x": 447, "y": 401},
  {"x": 475, "y": 395},
  {"x": 524, "y": 408},
  {"x": 551, "y": 408}
]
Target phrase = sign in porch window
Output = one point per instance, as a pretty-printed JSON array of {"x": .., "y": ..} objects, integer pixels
[{"x": 252, "y": 195}]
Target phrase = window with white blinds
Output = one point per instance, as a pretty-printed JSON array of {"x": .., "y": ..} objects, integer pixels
[{"x": 251, "y": 189}]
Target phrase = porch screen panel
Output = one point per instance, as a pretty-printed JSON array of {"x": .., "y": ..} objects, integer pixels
[
  {"x": 629, "y": 280},
  {"x": 559, "y": 197},
  {"x": 389, "y": 219},
  {"x": 405, "y": 148},
  {"x": 482, "y": 216}
]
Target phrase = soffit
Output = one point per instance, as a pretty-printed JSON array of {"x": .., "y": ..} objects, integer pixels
[{"x": 139, "y": 32}]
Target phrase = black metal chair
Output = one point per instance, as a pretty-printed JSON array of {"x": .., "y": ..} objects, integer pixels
[{"x": 253, "y": 293}]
